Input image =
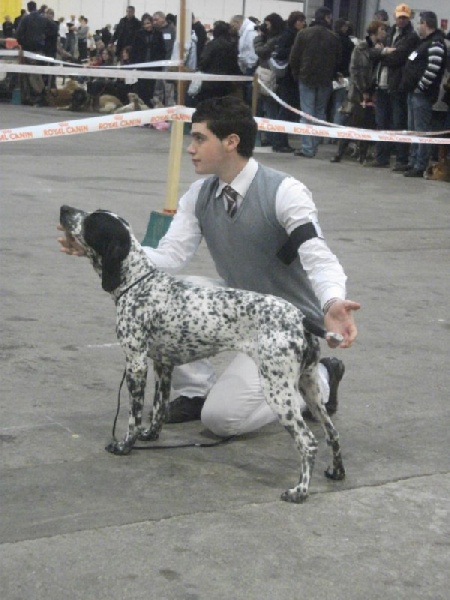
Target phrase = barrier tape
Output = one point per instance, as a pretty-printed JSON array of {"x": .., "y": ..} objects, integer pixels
[
  {"x": 181, "y": 113},
  {"x": 297, "y": 129},
  {"x": 116, "y": 73},
  {"x": 320, "y": 122}
]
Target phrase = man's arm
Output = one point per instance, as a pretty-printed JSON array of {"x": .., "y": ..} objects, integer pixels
[
  {"x": 436, "y": 56},
  {"x": 296, "y": 208},
  {"x": 182, "y": 239}
]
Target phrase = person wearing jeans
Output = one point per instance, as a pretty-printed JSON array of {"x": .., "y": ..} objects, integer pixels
[
  {"x": 314, "y": 61},
  {"x": 422, "y": 79}
]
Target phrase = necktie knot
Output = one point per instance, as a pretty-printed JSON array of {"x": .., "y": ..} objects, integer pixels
[{"x": 231, "y": 197}]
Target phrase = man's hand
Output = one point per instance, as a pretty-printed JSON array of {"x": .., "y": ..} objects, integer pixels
[
  {"x": 69, "y": 245},
  {"x": 339, "y": 319}
]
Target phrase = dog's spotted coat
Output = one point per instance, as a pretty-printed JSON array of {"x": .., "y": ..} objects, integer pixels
[{"x": 173, "y": 323}]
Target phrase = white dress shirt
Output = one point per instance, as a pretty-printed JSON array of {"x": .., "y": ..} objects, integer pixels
[{"x": 294, "y": 207}]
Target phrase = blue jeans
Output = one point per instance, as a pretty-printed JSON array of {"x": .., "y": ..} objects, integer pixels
[
  {"x": 313, "y": 101},
  {"x": 420, "y": 112},
  {"x": 391, "y": 113}
]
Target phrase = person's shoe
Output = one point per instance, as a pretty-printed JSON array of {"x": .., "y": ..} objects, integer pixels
[
  {"x": 400, "y": 168},
  {"x": 301, "y": 153},
  {"x": 413, "y": 173},
  {"x": 336, "y": 370},
  {"x": 335, "y": 159},
  {"x": 183, "y": 409},
  {"x": 283, "y": 149},
  {"x": 376, "y": 165}
]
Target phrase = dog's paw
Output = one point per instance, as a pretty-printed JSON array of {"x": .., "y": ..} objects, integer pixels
[
  {"x": 119, "y": 448},
  {"x": 148, "y": 435},
  {"x": 294, "y": 496},
  {"x": 336, "y": 473}
]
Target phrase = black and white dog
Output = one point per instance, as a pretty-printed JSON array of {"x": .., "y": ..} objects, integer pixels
[{"x": 174, "y": 323}]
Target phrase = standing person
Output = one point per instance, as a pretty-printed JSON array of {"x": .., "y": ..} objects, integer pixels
[
  {"x": 287, "y": 87},
  {"x": 82, "y": 35},
  {"x": 127, "y": 28},
  {"x": 200, "y": 32},
  {"x": 51, "y": 44},
  {"x": 219, "y": 57},
  {"x": 62, "y": 31},
  {"x": 421, "y": 80},
  {"x": 247, "y": 58},
  {"x": 362, "y": 82},
  {"x": 314, "y": 61},
  {"x": 71, "y": 41},
  {"x": 31, "y": 35},
  {"x": 8, "y": 27},
  {"x": 391, "y": 110},
  {"x": 165, "y": 90},
  {"x": 265, "y": 43},
  {"x": 17, "y": 20},
  {"x": 269, "y": 211},
  {"x": 148, "y": 46},
  {"x": 341, "y": 28}
]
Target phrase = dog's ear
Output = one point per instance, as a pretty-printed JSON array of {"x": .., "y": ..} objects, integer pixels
[
  {"x": 110, "y": 238},
  {"x": 112, "y": 258}
]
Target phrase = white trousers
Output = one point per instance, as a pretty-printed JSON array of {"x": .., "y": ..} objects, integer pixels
[{"x": 235, "y": 402}]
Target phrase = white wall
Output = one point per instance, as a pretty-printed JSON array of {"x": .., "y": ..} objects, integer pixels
[
  {"x": 101, "y": 12},
  {"x": 440, "y": 7}
]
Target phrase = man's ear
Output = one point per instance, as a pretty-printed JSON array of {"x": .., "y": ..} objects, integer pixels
[
  {"x": 113, "y": 255},
  {"x": 231, "y": 142}
]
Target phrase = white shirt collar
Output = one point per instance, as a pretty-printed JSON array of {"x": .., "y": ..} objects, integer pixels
[{"x": 242, "y": 181}]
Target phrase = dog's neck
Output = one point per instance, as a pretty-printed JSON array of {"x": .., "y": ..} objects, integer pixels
[{"x": 135, "y": 267}]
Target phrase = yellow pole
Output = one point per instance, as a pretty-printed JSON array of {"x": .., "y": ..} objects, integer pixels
[
  {"x": 176, "y": 136},
  {"x": 159, "y": 221}
]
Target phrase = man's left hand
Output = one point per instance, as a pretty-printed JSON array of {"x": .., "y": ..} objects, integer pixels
[{"x": 339, "y": 319}]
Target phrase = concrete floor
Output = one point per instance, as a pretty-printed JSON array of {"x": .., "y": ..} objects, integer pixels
[{"x": 207, "y": 524}]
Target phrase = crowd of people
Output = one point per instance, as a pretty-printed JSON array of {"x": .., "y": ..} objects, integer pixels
[{"x": 396, "y": 78}]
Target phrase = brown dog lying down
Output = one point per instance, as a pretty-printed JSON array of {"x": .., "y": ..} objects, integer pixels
[{"x": 440, "y": 171}]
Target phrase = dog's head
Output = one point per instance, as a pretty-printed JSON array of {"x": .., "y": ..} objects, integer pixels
[{"x": 106, "y": 238}]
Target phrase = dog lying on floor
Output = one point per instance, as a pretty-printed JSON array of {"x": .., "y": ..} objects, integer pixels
[
  {"x": 152, "y": 321},
  {"x": 135, "y": 103}
]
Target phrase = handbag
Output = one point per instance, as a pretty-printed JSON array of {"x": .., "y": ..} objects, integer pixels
[
  {"x": 267, "y": 77},
  {"x": 279, "y": 67}
]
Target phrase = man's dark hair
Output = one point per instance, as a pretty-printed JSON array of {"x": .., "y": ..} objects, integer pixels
[
  {"x": 321, "y": 13},
  {"x": 228, "y": 115},
  {"x": 429, "y": 18},
  {"x": 31, "y": 6},
  {"x": 221, "y": 29},
  {"x": 381, "y": 15}
]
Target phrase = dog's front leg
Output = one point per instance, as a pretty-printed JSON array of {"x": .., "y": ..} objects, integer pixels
[
  {"x": 163, "y": 378},
  {"x": 136, "y": 378}
]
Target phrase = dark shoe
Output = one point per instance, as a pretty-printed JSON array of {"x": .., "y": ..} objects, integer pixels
[
  {"x": 335, "y": 159},
  {"x": 301, "y": 153},
  {"x": 184, "y": 409},
  {"x": 399, "y": 168},
  {"x": 336, "y": 370},
  {"x": 265, "y": 143},
  {"x": 413, "y": 173},
  {"x": 283, "y": 149}
]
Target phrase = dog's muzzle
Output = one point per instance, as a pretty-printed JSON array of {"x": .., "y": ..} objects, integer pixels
[{"x": 71, "y": 219}]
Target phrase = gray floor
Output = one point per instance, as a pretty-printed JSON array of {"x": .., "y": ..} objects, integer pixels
[{"x": 202, "y": 524}]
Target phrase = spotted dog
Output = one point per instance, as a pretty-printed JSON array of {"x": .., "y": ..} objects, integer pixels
[{"x": 173, "y": 323}]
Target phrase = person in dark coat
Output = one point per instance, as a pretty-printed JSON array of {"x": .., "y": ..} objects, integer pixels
[
  {"x": 219, "y": 57},
  {"x": 148, "y": 46},
  {"x": 126, "y": 30},
  {"x": 287, "y": 87}
]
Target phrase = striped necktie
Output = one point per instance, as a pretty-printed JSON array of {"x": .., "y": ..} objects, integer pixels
[{"x": 231, "y": 197}]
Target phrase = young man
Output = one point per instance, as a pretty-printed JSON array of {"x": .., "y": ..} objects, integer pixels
[{"x": 247, "y": 213}]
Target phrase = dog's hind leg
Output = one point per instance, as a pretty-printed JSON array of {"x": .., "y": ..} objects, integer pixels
[
  {"x": 163, "y": 378},
  {"x": 310, "y": 390},
  {"x": 278, "y": 383}
]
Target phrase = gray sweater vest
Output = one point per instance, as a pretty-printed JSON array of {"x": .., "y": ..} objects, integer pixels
[{"x": 244, "y": 248}]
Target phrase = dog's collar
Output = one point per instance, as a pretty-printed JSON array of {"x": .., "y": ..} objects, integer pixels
[{"x": 127, "y": 289}]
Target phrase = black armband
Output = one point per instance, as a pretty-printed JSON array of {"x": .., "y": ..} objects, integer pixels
[{"x": 299, "y": 236}]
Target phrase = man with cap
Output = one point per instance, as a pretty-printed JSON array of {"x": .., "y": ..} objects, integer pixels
[
  {"x": 421, "y": 80},
  {"x": 391, "y": 103}
]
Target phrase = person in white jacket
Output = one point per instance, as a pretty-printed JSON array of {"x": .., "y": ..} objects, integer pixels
[{"x": 247, "y": 57}]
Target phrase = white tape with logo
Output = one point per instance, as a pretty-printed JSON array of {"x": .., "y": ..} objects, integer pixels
[{"x": 181, "y": 113}]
